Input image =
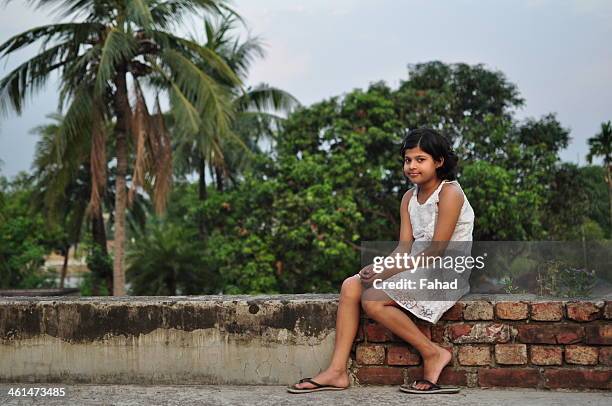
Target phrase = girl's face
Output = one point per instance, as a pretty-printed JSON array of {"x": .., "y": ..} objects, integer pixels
[{"x": 419, "y": 166}]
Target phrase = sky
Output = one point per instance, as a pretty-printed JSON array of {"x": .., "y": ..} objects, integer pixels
[{"x": 555, "y": 51}]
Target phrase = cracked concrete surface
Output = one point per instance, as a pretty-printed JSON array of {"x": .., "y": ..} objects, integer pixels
[
  {"x": 86, "y": 395},
  {"x": 145, "y": 340},
  {"x": 163, "y": 356}
]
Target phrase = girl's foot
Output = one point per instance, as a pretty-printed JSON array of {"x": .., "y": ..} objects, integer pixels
[
  {"x": 433, "y": 366},
  {"x": 327, "y": 377}
]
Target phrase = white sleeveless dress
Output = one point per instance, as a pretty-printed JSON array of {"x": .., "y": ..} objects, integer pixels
[{"x": 423, "y": 221}]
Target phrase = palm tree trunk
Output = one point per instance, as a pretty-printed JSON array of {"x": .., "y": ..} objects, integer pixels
[
  {"x": 122, "y": 111},
  {"x": 98, "y": 234},
  {"x": 202, "y": 196},
  {"x": 219, "y": 176},
  {"x": 64, "y": 267}
]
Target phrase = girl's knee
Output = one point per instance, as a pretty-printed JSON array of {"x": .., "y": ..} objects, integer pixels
[
  {"x": 351, "y": 287},
  {"x": 371, "y": 307}
]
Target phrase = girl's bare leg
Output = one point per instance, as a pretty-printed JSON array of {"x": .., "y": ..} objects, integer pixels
[
  {"x": 381, "y": 308},
  {"x": 347, "y": 322}
]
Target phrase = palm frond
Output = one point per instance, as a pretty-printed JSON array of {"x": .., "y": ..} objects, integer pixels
[
  {"x": 139, "y": 12},
  {"x": 236, "y": 54},
  {"x": 78, "y": 71},
  {"x": 187, "y": 115},
  {"x": 241, "y": 55},
  {"x": 139, "y": 130},
  {"x": 118, "y": 47},
  {"x": 210, "y": 99},
  {"x": 163, "y": 162},
  {"x": 97, "y": 158},
  {"x": 601, "y": 144},
  {"x": 76, "y": 32},
  {"x": 172, "y": 12},
  {"x": 56, "y": 165},
  {"x": 200, "y": 55},
  {"x": 266, "y": 98},
  {"x": 65, "y": 7},
  {"x": 29, "y": 77}
]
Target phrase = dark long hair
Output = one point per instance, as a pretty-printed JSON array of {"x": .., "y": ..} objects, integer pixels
[{"x": 436, "y": 145}]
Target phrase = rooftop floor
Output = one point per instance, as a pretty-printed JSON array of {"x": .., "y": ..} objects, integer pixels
[{"x": 84, "y": 395}]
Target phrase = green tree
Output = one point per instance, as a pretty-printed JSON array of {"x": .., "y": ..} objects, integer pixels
[
  {"x": 24, "y": 237},
  {"x": 294, "y": 223},
  {"x": 114, "y": 41},
  {"x": 601, "y": 145},
  {"x": 595, "y": 193},
  {"x": 166, "y": 259},
  {"x": 502, "y": 211},
  {"x": 228, "y": 150},
  {"x": 63, "y": 187}
]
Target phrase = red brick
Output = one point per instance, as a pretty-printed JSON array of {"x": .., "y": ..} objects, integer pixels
[
  {"x": 451, "y": 376},
  {"x": 425, "y": 329},
  {"x": 414, "y": 373},
  {"x": 607, "y": 313},
  {"x": 550, "y": 333},
  {"x": 479, "y": 310},
  {"x": 370, "y": 354},
  {"x": 508, "y": 377},
  {"x": 547, "y": 311},
  {"x": 581, "y": 354},
  {"x": 546, "y": 355},
  {"x": 474, "y": 355},
  {"x": 575, "y": 378},
  {"x": 479, "y": 333},
  {"x": 380, "y": 375},
  {"x": 448, "y": 376},
  {"x": 377, "y": 333},
  {"x": 437, "y": 333},
  {"x": 582, "y": 311},
  {"x": 511, "y": 354},
  {"x": 605, "y": 356},
  {"x": 360, "y": 335},
  {"x": 601, "y": 334},
  {"x": 511, "y": 310},
  {"x": 457, "y": 331},
  {"x": 402, "y": 355},
  {"x": 455, "y": 313}
]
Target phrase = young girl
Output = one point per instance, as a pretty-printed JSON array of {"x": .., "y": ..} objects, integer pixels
[{"x": 435, "y": 210}]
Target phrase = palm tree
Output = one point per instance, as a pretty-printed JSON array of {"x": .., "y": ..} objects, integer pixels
[
  {"x": 107, "y": 43},
  {"x": 167, "y": 259},
  {"x": 227, "y": 150},
  {"x": 58, "y": 194},
  {"x": 63, "y": 188},
  {"x": 601, "y": 145}
]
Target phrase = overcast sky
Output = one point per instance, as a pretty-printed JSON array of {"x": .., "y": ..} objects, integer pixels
[{"x": 557, "y": 52}]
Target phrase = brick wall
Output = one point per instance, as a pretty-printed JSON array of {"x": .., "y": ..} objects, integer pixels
[{"x": 545, "y": 345}]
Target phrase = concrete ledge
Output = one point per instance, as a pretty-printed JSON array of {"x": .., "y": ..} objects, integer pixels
[
  {"x": 41, "y": 292},
  {"x": 496, "y": 340}
]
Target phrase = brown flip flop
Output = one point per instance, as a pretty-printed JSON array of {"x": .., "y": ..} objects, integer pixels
[
  {"x": 318, "y": 387},
  {"x": 431, "y": 389}
]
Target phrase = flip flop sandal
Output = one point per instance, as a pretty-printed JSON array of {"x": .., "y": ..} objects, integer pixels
[
  {"x": 318, "y": 387},
  {"x": 433, "y": 388}
]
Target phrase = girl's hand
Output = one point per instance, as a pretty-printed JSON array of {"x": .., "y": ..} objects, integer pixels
[{"x": 367, "y": 274}]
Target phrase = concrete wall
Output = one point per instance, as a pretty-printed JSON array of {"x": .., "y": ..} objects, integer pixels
[
  {"x": 177, "y": 340},
  {"x": 504, "y": 340}
]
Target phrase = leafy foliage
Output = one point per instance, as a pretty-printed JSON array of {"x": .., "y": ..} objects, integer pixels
[{"x": 24, "y": 237}]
